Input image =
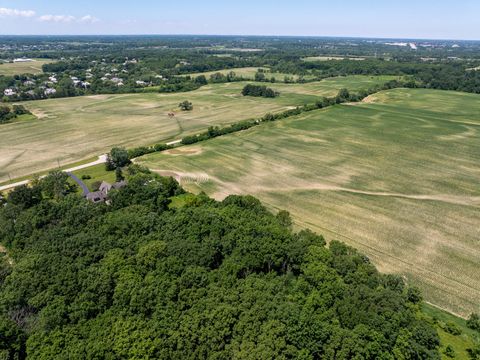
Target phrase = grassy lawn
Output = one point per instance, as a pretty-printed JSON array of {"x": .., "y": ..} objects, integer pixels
[
  {"x": 460, "y": 343},
  {"x": 34, "y": 67},
  {"x": 96, "y": 173},
  {"x": 70, "y": 129},
  {"x": 396, "y": 176}
]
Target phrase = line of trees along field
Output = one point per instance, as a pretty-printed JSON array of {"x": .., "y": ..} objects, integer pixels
[{"x": 224, "y": 280}]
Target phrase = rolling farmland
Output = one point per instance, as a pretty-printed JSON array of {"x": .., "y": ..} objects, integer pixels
[
  {"x": 71, "y": 129},
  {"x": 396, "y": 176}
]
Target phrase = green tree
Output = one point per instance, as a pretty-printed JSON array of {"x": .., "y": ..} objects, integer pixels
[
  {"x": 473, "y": 322},
  {"x": 56, "y": 185},
  {"x": 284, "y": 218},
  {"x": 185, "y": 105},
  {"x": 449, "y": 351},
  {"x": 259, "y": 76},
  {"x": 25, "y": 196},
  {"x": 119, "y": 174},
  {"x": 201, "y": 80},
  {"x": 118, "y": 157}
]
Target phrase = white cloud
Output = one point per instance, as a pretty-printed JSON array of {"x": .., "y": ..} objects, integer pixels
[
  {"x": 57, "y": 18},
  {"x": 16, "y": 13},
  {"x": 88, "y": 19}
]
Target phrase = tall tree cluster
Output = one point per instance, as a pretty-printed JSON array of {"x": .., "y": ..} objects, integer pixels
[{"x": 202, "y": 280}]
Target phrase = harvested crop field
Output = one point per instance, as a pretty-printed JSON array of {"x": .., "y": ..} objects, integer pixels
[
  {"x": 71, "y": 129},
  {"x": 397, "y": 177}
]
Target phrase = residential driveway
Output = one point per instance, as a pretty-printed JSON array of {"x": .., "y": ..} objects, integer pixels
[
  {"x": 80, "y": 183},
  {"x": 101, "y": 160}
]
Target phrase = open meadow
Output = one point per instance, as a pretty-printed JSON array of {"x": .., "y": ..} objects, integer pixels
[
  {"x": 71, "y": 129},
  {"x": 396, "y": 176},
  {"x": 33, "y": 67}
]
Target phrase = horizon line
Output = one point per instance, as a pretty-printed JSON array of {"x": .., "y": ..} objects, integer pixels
[{"x": 244, "y": 35}]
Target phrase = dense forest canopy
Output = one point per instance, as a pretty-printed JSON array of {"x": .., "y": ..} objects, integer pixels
[{"x": 220, "y": 280}]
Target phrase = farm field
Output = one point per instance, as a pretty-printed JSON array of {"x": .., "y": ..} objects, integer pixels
[
  {"x": 71, "y": 129},
  {"x": 396, "y": 176},
  {"x": 34, "y": 67},
  {"x": 249, "y": 73}
]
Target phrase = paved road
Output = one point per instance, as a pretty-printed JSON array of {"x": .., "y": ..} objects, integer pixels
[{"x": 101, "y": 159}]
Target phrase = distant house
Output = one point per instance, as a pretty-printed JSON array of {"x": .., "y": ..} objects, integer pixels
[
  {"x": 97, "y": 197},
  {"x": 9, "y": 92},
  {"x": 53, "y": 79},
  {"x": 140, "y": 82},
  {"x": 102, "y": 194},
  {"x": 29, "y": 83},
  {"x": 50, "y": 91},
  {"x": 22, "y": 60}
]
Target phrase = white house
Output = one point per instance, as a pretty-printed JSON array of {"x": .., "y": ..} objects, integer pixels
[
  {"x": 9, "y": 92},
  {"x": 21, "y": 60},
  {"x": 50, "y": 91}
]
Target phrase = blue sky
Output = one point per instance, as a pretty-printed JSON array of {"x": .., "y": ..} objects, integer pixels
[{"x": 440, "y": 19}]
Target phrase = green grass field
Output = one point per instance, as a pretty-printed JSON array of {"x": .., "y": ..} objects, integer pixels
[
  {"x": 249, "y": 73},
  {"x": 34, "y": 67},
  {"x": 71, "y": 129},
  {"x": 396, "y": 176},
  {"x": 460, "y": 343}
]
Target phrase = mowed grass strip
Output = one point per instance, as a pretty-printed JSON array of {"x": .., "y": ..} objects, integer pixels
[
  {"x": 71, "y": 129},
  {"x": 32, "y": 67},
  {"x": 396, "y": 177}
]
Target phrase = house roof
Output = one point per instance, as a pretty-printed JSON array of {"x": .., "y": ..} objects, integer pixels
[{"x": 97, "y": 196}]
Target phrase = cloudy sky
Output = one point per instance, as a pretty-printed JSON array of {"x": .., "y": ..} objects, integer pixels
[{"x": 439, "y": 19}]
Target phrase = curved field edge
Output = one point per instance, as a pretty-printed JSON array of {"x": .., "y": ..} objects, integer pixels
[{"x": 396, "y": 177}]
